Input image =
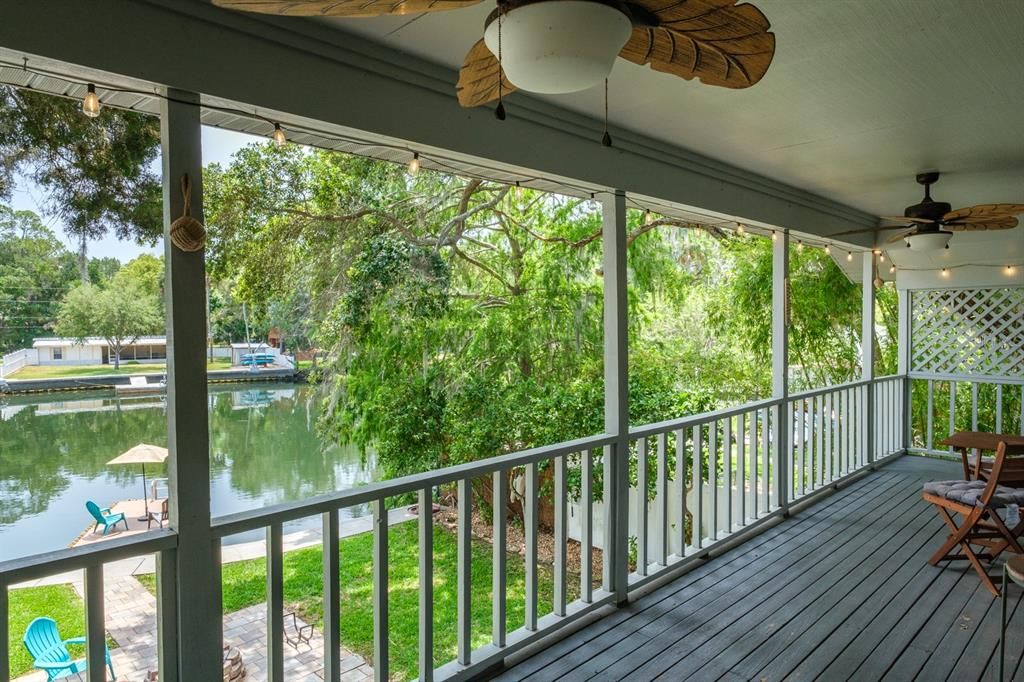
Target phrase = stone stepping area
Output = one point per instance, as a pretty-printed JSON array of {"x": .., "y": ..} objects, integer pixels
[
  {"x": 131, "y": 614},
  {"x": 131, "y": 622}
]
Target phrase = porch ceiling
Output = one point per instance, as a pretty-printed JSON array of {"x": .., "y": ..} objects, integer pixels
[{"x": 861, "y": 97}]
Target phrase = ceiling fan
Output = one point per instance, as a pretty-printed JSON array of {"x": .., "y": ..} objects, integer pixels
[
  {"x": 561, "y": 46},
  {"x": 930, "y": 225}
]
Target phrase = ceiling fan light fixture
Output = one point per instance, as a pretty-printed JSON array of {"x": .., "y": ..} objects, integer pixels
[
  {"x": 558, "y": 46},
  {"x": 929, "y": 241}
]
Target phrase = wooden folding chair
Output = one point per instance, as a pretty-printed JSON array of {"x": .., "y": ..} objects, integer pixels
[{"x": 979, "y": 502}]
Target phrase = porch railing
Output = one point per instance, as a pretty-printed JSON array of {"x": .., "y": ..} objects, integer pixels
[
  {"x": 710, "y": 476},
  {"x": 943, "y": 404},
  {"x": 90, "y": 560},
  {"x": 695, "y": 482}
]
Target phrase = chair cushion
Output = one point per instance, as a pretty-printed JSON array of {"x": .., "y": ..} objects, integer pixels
[{"x": 968, "y": 492}]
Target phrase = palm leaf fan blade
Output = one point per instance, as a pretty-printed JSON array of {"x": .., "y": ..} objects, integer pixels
[
  {"x": 478, "y": 78},
  {"x": 901, "y": 236},
  {"x": 342, "y": 8},
  {"x": 1002, "y": 222},
  {"x": 983, "y": 212},
  {"x": 715, "y": 41}
]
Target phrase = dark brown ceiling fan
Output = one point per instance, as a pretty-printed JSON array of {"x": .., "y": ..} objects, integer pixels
[
  {"x": 930, "y": 224},
  {"x": 558, "y": 46}
]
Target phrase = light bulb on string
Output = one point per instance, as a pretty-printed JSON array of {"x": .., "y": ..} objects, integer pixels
[
  {"x": 892, "y": 269},
  {"x": 91, "y": 102},
  {"x": 775, "y": 236},
  {"x": 739, "y": 229},
  {"x": 881, "y": 257},
  {"x": 828, "y": 250},
  {"x": 414, "y": 163},
  {"x": 519, "y": 190},
  {"x": 648, "y": 217},
  {"x": 849, "y": 256},
  {"x": 279, "y": 136},
  {"x": 1009, "y": 269},
  {"x": 799, "y": 245},
  {"x": 945, "y": 272}
]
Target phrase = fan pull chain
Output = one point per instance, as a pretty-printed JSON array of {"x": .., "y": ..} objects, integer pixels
[
  {"x": 499, "y": 111},
  {"x": 606, "y": 139}
]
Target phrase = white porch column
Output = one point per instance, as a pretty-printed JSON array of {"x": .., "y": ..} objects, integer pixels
[
  {"x": 783, "y": 417},
  {"x": 903, "y": 362},
  {"x": 867, "y": 350},
  {"x": 616, "y": 395},
  {"x": 193, "y": 591}
]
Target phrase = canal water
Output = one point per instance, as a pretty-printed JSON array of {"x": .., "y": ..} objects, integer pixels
[{"x": 264, "y": 449}]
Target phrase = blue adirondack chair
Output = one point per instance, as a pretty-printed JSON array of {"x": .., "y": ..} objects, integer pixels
[
  {"x": 104, "y": 517},
  {"x": 50, "y": 653}
]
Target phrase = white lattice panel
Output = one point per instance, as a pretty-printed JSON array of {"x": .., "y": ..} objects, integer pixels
[{"x": 978, "y": 332}]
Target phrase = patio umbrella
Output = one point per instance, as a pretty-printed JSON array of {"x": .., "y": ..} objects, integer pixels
[{"x": 142, "y": 454}]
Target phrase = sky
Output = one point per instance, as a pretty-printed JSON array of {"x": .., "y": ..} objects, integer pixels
[{"x": 218, "y": 146}]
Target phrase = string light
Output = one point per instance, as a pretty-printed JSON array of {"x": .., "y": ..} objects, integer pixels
[
  {"x": 945, "y": 272},
  {"x": 799, "y": 245},
  {"x": 279, "y": 136},
  {"x": 775, "y": 236},
  {"x": 849, "y": 256},
  {"x": 892, "y": 269},
  {"x": 881, "y": 257},
  {"x": 1009, "y": 269},
  {"x": 739, "y": 229},
  {"x": 648, "y": 217},
  {"x": 828, "y": 250},
  {"x": 519, "y": 190},
  {"x": 414, "y": 163},
  {"x": 91, "y": 102}
]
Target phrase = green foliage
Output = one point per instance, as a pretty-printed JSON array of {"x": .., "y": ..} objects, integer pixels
[
  {"x": 35, "y": 272},
  {"x": 244, "y": 584},
  {"x": 120, "y": 313},
  {"x": 462, "y": 319},
  {"x": 97, "y": 172}
]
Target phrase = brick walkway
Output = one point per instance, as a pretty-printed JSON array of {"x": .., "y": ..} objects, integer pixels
[{"x": 131, "y": 622}]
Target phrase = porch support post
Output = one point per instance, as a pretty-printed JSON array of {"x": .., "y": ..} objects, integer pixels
[
  {"x": 903, "y": 362},
  {"x": 197, "y": 599},
  {"x": 780, "y": 366},
  {"x": 867, "y": 351},
  {"x": 616, "y": 396}
]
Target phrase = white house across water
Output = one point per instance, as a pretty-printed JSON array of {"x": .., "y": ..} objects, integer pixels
[{"x": 95, "y": 350}]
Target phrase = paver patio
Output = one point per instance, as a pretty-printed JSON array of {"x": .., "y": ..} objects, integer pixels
[{"x": 131, "y": 622}]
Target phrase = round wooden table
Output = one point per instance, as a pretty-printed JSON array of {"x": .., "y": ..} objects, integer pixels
[{"x": 1014, "y": 570}]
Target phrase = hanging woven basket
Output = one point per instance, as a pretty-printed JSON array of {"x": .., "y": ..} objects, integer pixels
[{"x": 187, "y": 233}]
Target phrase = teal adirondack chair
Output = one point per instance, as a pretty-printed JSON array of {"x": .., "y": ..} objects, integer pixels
[
  {"x": 50, "y": 653},
  {"x": 104, "y": 517}
]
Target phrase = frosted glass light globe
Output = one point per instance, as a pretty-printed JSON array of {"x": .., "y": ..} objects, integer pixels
[{"x": 558, "y": 46}]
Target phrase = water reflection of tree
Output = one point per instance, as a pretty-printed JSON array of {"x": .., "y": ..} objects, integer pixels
[
  {"x": 40, "y": 453},
  {"x": 270, "y": 449}
]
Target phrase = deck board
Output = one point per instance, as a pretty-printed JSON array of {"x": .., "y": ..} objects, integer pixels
[
  {"x": 840, "y": 591},
  {"x": 699, "y": 587}
]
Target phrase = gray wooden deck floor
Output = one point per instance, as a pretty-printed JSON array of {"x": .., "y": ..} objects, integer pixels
[{"x": 840, "y": 591}]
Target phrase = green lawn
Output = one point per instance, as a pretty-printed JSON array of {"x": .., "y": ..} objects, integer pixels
[
  {"x": 244, "y": 585},
  {"x": 63, "y": 371},
  {"x": 59, "y": 602}
]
